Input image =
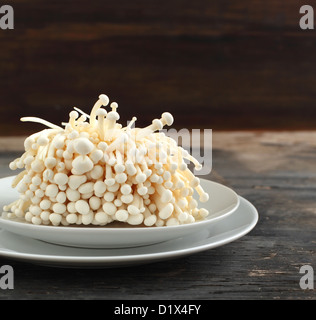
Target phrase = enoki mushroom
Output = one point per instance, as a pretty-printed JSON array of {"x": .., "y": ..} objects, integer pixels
[{"x": 93, "y": 171}]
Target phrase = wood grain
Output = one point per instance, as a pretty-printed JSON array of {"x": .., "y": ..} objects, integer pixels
[
  {"x": 215, "y": 64},
  {"x": 273, "y": 170}
]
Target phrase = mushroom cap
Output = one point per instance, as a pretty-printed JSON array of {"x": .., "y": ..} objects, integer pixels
[
  {"x": 158, "y": 125},
  {"x": 113, "y": 115},
  {"x": 104, "y": 99},
  {"x": 114, "y": 106},
  {"x": 73, "y": 114},
  {"x": 83, "y": 146},
  {"x": 167, "y": 118},
  {"x": 101, "y": 112}
]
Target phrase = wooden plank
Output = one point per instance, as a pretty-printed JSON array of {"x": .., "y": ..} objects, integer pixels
[
  {"x": 273, "y": 170},
  {"x": 229, "y": 66}
]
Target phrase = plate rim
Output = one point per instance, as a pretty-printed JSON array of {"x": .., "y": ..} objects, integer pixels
[{"x": 147, "y": 257}]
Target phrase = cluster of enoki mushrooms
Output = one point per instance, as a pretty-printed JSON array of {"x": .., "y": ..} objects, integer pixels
[{"x": 93, "y": 171}]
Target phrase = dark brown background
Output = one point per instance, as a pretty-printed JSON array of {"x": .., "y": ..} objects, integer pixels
[{"x": 214, "y": 64}]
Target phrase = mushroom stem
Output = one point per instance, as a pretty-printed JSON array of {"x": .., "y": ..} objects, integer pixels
[
  {"x": 103, "y": 101},
  {"x": 39, "y": 120}
]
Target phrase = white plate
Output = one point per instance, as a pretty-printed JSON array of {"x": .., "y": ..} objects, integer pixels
[
  {"x": 228, "y": 229},
  {"x": 223, "y": 201}
]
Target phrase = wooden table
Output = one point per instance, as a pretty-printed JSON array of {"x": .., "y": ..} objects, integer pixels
[{"x": 276, "y": 171}]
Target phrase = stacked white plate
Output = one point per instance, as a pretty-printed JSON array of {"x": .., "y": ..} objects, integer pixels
[{"x": 231, "y": 217}]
